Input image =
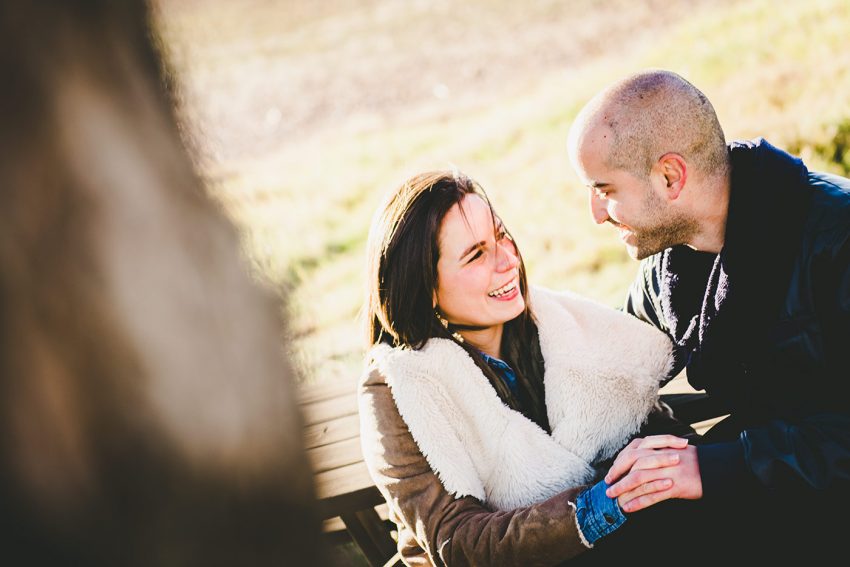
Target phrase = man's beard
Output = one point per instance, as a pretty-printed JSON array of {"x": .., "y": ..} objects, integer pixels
[{"x": 664, "y": 227}]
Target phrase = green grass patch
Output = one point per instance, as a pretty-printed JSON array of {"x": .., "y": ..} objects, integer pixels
[{"x": 778, "y": 71}]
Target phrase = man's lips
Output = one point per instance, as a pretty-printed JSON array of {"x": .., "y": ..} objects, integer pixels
[{"x": 624, "y": 230}]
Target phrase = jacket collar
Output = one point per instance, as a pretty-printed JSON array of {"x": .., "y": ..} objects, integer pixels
[
  {"x": 724, "y": 302},
  {"x": 603, "y": 370}
]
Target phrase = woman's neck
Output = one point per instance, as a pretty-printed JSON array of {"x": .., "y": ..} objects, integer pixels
[{"x": 487, "y": 340}]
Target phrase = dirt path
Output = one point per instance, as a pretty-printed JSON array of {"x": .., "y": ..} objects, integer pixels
[{"x": 259, "y": 75}]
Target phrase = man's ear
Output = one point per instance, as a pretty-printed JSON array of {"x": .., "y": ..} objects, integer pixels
[{"x": 675, "y": 170}]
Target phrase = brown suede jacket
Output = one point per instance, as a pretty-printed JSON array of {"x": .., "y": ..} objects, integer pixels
[{"x": 436, "y": 528}]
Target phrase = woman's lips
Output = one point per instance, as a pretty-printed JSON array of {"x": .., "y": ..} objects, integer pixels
[{"x": 508, "y": 296}]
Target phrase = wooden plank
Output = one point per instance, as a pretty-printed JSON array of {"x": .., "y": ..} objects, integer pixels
[
  {"x": 371, "y": 537},
  {"x": 325, "y": 391},
  {"x": 335, "y": 455},
  {"x": 346, "y": 489},
  {"x": 336, "y": 524},
  {"x": 693, "y": 408},
  {"x": 702, "y": 427},
  {"x": 334, "y": 431},
  {"x": 330, "y": 409},
  {"x": 350, "y": 478},
  {"x": 679, "y": 385},
  {"x": 349, "y": 502},
  {"x": 378, "y": 531}
]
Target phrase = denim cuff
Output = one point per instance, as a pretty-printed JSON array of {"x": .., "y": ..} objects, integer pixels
[{"x": 596, "y": 514}]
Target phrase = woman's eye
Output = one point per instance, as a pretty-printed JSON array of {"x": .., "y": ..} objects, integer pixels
[{"x": 475, "y": 256}]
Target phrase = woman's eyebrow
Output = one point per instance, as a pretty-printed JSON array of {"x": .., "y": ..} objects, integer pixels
[{"x": 466, "y": 252}]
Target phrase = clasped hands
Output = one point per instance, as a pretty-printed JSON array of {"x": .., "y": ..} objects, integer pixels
[{"x": 651, "y": 469}]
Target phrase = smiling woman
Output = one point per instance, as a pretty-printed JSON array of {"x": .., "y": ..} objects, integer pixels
[
  {"x": 477, "y": 275},
  {"x": 490, "y": 409}
]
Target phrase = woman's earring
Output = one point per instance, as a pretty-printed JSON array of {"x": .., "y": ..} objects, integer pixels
[{"x": 445, "y": 323}]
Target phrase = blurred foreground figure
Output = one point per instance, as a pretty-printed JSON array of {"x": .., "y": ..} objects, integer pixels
[{"x": 148, "y": 414}]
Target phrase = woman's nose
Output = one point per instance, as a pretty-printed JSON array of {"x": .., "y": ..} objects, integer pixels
[
  {"x": 506, "y": 256},
  {"x": 599, "y": 209}
]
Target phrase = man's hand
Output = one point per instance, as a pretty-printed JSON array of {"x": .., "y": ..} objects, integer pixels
[{"x": 656, "y": 468}]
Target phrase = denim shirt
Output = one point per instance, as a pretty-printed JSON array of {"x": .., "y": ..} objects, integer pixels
[
  {"x": 505, "y": 372},
  {"x": 597, "y": 515}
]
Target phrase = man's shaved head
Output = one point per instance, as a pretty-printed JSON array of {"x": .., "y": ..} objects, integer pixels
[{"x": 647, "y": 115}]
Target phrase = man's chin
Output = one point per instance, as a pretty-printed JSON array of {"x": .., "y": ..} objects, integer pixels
[
  {"x": 635, "y": 253},
  {"x": 638, "y": 252}
]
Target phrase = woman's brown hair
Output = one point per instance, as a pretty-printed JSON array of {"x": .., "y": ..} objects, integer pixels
[{"x": 403, "y": 251}]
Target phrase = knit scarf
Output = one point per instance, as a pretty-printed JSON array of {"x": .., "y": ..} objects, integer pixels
[{"x": 719, "y": 307}]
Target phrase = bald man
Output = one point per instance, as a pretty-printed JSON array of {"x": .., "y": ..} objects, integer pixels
[{"x": 745, "y": 264}]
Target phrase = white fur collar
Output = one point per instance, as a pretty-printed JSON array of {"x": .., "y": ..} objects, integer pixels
[{"x": 603, "y": 369}]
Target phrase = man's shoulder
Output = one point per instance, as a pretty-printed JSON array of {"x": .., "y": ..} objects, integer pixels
[
  {"x": 832, "y": 188},
  {"x": 829, "y": 216}
]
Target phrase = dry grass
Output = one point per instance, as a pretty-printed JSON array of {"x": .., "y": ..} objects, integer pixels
[{"x": 307, "y": 112}]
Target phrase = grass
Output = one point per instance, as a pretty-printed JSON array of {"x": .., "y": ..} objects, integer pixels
[{"x": 307, "y": 116}]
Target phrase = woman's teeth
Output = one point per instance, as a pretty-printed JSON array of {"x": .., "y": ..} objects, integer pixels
[{"x": 503, "y": 290}]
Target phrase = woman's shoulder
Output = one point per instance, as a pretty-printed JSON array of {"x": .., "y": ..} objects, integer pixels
[
  {"x": 544, "y": 296},
  {"x": 371, "y": 376},
  {"x": 555, "y": 308},
  {"x": 389, "y": 360}
]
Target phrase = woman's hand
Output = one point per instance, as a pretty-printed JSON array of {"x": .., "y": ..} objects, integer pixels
[{"x": 653, "y": 469}]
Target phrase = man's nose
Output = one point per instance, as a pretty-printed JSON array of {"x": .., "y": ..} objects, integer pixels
[{"x": 599, "y": 209}]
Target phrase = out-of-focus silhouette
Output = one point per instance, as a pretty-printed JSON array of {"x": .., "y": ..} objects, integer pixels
[{"x": 148, "y": 411}]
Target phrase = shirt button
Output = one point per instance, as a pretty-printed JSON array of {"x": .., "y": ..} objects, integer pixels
[{"x": 608, "y": 518}]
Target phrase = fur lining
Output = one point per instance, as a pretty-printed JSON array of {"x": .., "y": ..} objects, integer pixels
[
  {"x": 602, "y": 375},
  {"x": 583, "y": 539}
]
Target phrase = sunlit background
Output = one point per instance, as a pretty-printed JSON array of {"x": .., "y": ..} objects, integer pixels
[{"x": 304, "y": 113}]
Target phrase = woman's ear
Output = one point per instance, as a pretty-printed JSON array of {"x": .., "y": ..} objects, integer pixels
[
  {"x": 675, "y": 170},
  {"x": 434, "y": 299}
]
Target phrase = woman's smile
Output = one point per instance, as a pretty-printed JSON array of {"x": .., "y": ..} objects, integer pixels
[
  {"x": 507, "y": 292},
  {"x": 478, "y": 272}
]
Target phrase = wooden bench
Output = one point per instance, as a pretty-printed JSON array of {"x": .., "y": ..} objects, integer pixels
[
  {"x": 346, "y": 495},
  {"x": 347, "y": 498}
]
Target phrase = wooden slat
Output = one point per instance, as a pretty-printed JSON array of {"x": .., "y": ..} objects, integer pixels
[
  {"x": 348, "y": 488},
  {"x": 692, "y": 408},
  {"x": 317, "y": 393},
  {"x": 678, "y": 385},
  {"x": 328, "y": 410},
  {"x": 335, "y": 455},
  {"x": 332, "y": 525},
  {"x": 371, "y": 536},
  {"x": 334, "y": 431}
]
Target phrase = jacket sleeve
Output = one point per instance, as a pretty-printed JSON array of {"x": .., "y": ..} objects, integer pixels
[
  {"x": 809, "y": 455},
  {"x": 456, "y": 531}
]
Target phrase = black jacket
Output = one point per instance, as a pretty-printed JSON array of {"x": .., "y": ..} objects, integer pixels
[{"x": 764, "y": 328}]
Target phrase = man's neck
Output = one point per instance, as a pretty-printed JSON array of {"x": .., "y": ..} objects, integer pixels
[{"x": 711, "y": 213}]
